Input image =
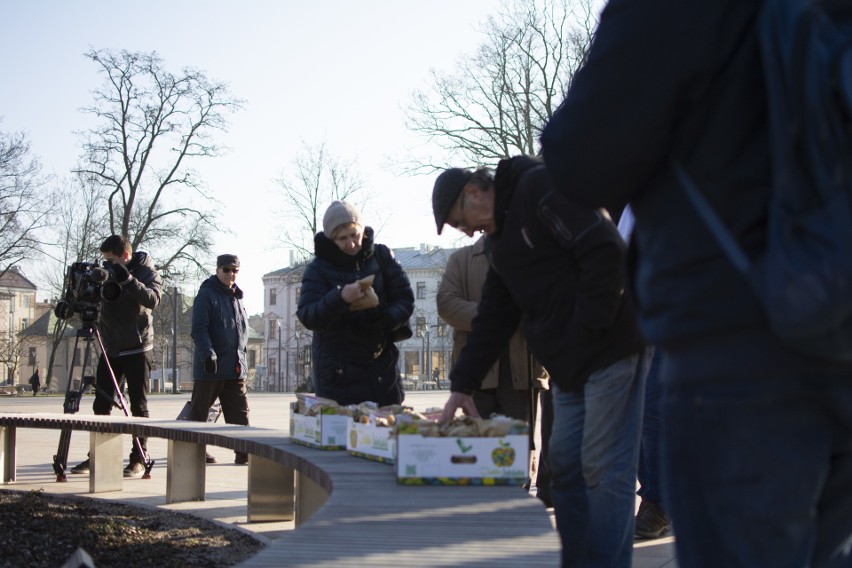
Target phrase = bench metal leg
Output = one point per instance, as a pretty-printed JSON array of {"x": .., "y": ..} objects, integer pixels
[
  {"x": 105, "y": 471},
  {"x": 7, "y": 453},
  {"x": 186, "y": 472},
  {"x": 271, "y": 491},
  {"x": 309, "y": 498}
]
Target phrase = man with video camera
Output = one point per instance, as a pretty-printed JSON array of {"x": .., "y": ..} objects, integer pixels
[{"x": 127, "y": 331}]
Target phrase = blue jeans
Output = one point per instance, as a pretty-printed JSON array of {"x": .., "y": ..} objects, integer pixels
[
  {"x": 650, "y": 485},
  {"x": 758, "y": 472},
  {"x": 594, "y": 452}
]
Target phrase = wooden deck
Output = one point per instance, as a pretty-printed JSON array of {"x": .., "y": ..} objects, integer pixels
[{"x": 349, "y": 511}]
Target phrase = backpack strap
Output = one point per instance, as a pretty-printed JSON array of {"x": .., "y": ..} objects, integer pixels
[{"x": 712, "y": 220}]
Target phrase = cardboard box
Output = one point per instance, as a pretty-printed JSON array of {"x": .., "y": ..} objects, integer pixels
[
  {"x": 371, "y": 442},
  {"x": 324, "y": 431},
  {"x": 428, "y": 460}
]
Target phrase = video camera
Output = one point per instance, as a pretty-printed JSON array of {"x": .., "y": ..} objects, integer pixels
[{"x": 86, "y": 284}]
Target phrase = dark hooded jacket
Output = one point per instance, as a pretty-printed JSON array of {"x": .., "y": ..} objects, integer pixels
[
  {"x": 559, "y": 270},
  {"x": 354, "y": 360},
  {"x": 669, "y": 80},
  {"x": 127, "y": 323},
  {"x": 219, "y": 331}
]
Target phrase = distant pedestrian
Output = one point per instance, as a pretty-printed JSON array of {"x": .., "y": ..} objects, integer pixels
[{"x": 35, "y": 381}]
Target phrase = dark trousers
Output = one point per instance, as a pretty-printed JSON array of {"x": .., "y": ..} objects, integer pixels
[
  {"x": 231, "y": 393},
  {"x": 136, "y": 370},
  {"x": 542, "y": 478}
]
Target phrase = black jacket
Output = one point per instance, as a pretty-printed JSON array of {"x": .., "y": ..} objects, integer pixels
[
  {"x": 678, "y": 80},
  {"x": 558, "y": 269},
  {"x": 354, "y": 360},
  {"x": 127, "y": 324},
  {"x": 219, "y": 331}
]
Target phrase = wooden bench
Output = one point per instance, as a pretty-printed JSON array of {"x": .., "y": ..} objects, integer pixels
[{"x": 348, "y": 511}]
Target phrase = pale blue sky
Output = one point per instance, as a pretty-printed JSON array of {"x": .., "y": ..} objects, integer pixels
[{"x": 332, "y": 70}]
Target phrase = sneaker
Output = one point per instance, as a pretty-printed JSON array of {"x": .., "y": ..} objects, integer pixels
[
  {"x": 82, "y": 467},
  {"x": 208, "y": 458},
  {"x": 240, "y": 458},
  {"x": 134, "y": 469},
  {"x": 651, "y": 520}
]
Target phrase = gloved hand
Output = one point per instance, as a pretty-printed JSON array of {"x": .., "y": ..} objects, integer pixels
[
  {"x": 120, "y": 273},
  {"x": 210, "y": 366}
]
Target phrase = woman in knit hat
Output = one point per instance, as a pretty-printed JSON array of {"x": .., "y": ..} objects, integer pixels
[{"x": 355, "y": 359}]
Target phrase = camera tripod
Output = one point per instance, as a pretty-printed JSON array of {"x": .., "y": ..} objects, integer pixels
[{"x": 89, "y": 332}]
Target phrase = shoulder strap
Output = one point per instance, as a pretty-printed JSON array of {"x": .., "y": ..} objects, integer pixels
[{"x": 712, "y": 220}]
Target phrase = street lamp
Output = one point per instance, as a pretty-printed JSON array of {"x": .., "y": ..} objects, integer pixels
[
  {"x": 424, "y": 334},
  {"x": 175, "y": 378},
  {"x": 278, "y": 322},
  {"x": 298, "y": 360}
]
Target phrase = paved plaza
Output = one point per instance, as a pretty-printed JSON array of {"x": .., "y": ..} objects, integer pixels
[{"x": 226, "y": 483}]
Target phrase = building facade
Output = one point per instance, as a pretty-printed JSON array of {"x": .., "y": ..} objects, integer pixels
[{"x": 19, "y": 311}]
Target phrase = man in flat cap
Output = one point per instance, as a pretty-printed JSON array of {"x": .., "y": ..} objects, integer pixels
[
  {"x": 220, "y": 335},
  {"x": 558, "y": 270}
]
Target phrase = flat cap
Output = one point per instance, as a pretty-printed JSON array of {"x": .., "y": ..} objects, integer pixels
[
  {"x": 227, "y": 260},
  {"x": 447, "y": 188}
]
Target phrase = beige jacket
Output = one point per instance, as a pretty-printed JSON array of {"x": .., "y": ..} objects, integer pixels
[{"x": 458, "y": 298}]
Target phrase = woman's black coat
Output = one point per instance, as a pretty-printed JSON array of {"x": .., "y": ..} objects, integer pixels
[{"x": 354, "y": 360}]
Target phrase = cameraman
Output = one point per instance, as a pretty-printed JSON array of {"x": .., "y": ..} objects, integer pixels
[{"x": 128, "y": 336}]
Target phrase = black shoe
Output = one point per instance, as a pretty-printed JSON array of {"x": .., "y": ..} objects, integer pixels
[
  {"x": 134, "y": 469},
  {"x": 651, "y": 520},
  {"x": 82, "y": 467},
  {"x": 240, "y": 458},
  {"x": 210, "y": 458}
]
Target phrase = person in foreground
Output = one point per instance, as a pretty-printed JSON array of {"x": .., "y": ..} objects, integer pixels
[
  {"x": 757, "y": 437},
  {"x": 557, "y": 269},
  {"x": 353, "y": 349},
  {"x": 127, "y": 331},
  {"x": 220, "y": 335}
]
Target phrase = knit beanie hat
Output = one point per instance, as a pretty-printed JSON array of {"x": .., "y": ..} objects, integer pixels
[{"x": 339, "y": 213}]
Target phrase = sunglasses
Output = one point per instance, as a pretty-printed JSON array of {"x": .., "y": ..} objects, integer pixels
[{"x": 228, "y": 270}]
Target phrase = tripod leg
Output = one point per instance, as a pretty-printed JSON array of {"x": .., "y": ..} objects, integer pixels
[
  {"x": 70, "y": 406},
  {"x": 60, "y": 460},
  {"x": 122, "y": 404}
]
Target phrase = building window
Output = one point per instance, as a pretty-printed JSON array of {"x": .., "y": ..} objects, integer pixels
[
  {"x": 272, "y": 325},
  {"x": 420, "y": 326},
  {"x": 24, "y": 323},
  {"x": 421, "y": 290},
  {"x": 252, "y": 358},
  {"x": 26, "y": 298},
  {"x": 273, "y": 296}
]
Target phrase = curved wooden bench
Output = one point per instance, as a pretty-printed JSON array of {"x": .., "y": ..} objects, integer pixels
[{"x": 348, "y": 511}]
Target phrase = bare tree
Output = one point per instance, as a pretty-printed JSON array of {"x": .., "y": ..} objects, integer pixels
[
  {"x": 23, "y": 203},
  {"x": 76, "y": 222},
  {"x": 498, "y": 100},
  {"x": 153, "y": 126},
  {"x": 317, "y": 178}
]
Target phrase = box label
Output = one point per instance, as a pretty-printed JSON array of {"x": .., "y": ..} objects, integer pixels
[{"x": 462, "y": 461}]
